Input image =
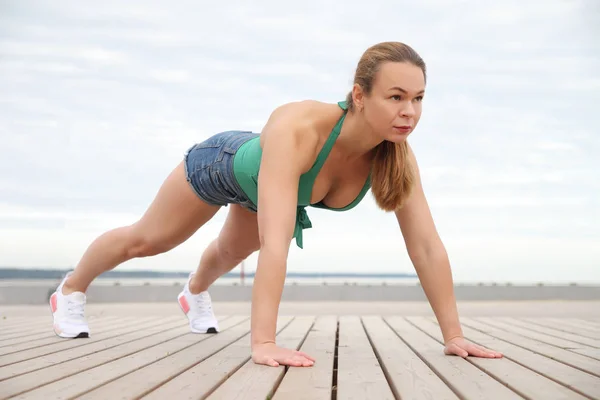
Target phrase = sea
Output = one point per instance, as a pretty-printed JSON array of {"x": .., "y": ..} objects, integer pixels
[
  {"x": 248, "y": 281},
  {"x": 227, "y": 281}
]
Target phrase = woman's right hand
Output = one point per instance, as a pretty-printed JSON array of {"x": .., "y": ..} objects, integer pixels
[{"x": 272, "y": 355}]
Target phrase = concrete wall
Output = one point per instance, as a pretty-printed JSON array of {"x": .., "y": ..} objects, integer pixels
[{"x": 39, "y": 294}]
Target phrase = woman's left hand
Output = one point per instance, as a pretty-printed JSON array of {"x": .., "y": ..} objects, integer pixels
[{"x": 462, "y": 347}]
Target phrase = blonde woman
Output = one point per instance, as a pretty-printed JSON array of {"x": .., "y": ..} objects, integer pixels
[{"x": 309, "y": 154}]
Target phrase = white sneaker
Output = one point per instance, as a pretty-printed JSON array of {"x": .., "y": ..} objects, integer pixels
[
  {"x": 68, "y": 313},
  {"x": 198, "y": 309}
]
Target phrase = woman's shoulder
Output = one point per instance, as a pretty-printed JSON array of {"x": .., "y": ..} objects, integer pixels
[
  {"x": 304, "y": 125},
  {"x": 307, "y": 107},
  {"x": 311, "y": 115}
]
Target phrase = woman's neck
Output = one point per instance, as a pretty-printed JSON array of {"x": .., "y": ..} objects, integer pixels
[{"x": 357, "y": 138}]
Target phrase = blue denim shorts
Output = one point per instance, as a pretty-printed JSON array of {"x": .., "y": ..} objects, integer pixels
[{"x": 209, "y": 169}]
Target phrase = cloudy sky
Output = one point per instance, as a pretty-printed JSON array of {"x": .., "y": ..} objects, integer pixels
[{"x": 99, "y": 101}]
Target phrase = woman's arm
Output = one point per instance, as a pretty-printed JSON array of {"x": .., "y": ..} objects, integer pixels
[
  {"x": 289, "y": 149},
  {"x": 430, "y": 259}
]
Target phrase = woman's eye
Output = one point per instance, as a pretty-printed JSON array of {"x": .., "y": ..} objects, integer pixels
[{"x": 396, "y": 97}]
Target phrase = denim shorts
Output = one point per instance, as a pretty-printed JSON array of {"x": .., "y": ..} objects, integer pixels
[{"x": 209, "y": 169}]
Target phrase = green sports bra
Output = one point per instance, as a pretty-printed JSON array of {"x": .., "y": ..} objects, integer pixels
[{"x": 246, "y": 164}]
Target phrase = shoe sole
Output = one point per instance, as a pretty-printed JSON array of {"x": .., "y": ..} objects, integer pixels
[
  {"x": 209, "y": 330},
  {"x": 80, "y": 335}
]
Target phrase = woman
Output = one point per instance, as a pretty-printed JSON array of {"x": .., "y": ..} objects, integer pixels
[{"x": 309, "y": 153}]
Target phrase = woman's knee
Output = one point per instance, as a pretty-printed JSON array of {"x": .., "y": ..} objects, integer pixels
[
  {"x": 141, "y": 244},
  {"x": 235, "y": 253}
]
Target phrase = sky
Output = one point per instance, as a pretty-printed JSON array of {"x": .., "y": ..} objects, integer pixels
[{"x": 99, "y": 101}]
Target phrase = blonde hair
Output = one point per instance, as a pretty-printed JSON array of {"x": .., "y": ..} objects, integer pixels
[{"x": 393, "y": 175}]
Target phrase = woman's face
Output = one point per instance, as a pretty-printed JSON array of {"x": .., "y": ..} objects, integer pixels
[{"x": 393, "y": 108}]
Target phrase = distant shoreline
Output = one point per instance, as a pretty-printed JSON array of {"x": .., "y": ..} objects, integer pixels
[{"x": 46, "y": 273}]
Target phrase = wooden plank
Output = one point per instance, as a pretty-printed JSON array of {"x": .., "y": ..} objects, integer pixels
[
  {"x": 9, "y": 339},
  {"x": 34, "y": 326},
  {"x": 582, "y": 327},
  {"x": 28, "y": 321},
  {"x": 76, "y": 385},
  {"x": 37, "y": 324},
  {"x": 144, "y": 380},
  {"x": 547, "y": 338},
  {"x": 520, "y": 337},
  {"x": 359, "y": 374},
  {"x": 463, "y": 377},
  {"x": 100, "y": 342},
  {"x": 45, "y": 334},
  {"x": 410, "y": 377},
  {"x": 48, "y": 337},
  {"x": 575, "y": 338},
  {"x": 6, "y": 321},
  {"x": 19, "y": 334},
  {"x": 202, "y": 378},
  {"x": 576, "y": 379},
  {"x": 61, "y": 344},
  {"x": 594, "y": 353},
  {"x": 593, "y": 324},
  {"x": 564, "y": 325},
  {"x": 58, "y": 375},
  {"x": 48, "y": 340},
  {"x": 582, "y": 323},
  {"x": 312, "y": 383},
  {"x": 522, "y": 380},
  {"x": 256, "y": 381}
]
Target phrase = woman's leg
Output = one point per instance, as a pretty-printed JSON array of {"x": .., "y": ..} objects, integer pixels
[
  {"x": 175, "y": 214},
  {"x": 237, "y": 240}
]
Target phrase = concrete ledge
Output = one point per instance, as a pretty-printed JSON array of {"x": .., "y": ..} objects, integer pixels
[{"x": 39, "y": 294}]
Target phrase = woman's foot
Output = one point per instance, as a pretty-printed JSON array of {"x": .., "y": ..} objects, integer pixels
[
  {"x": 68, "y": 312},
  {"x": 198, "y": 309}
]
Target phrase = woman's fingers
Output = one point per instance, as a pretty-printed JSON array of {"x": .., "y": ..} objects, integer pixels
[
  {"x": 488, "y": 352},
  {"x": 297, "y": 361},
  {"x": 275, "y": 356},
  {"x": 305, "y": 355},
  {"x": 270, "y": 362},
  {"x": 455, "y": 349}
]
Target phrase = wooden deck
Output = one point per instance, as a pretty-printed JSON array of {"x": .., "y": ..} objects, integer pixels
[{"x": 358, "y": 357}]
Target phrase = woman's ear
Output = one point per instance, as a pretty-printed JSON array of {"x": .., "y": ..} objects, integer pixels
[{"x": 357, "y": 97}]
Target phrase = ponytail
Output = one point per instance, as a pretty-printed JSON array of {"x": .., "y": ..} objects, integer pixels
[{"x": 393, "y": 175}]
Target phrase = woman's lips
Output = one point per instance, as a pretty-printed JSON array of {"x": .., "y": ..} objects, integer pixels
[{"x": 403, "y": 128}]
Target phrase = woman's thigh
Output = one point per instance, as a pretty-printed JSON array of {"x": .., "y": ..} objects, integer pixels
[{"x": 174, "y": 215}]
